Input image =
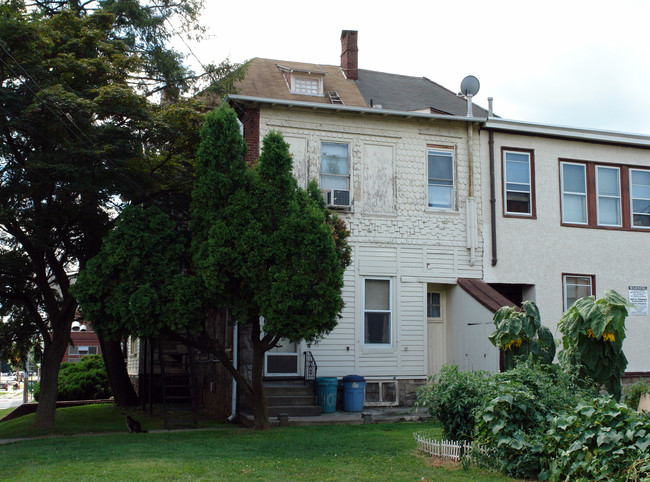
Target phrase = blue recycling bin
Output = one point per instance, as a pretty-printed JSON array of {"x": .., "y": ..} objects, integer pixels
[
  {"x": 354, "y": 387},
  {"x": 326, "y": 393}
]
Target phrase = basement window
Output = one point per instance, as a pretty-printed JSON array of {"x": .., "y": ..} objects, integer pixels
[{"x": 382, "y": 393}]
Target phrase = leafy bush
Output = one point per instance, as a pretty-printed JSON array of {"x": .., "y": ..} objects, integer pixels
[
  {"x": 519, "y": 334},
  {"x": 599, "y": 440},
  {"x": 84, "y": 380},
  {"x": 634, "y": 392},
  {"x": 452, "y": 396},
  {"x": 593, "y": 333},
  {"x": 513, "y": 420},
  {"x": 509, "y": 426}
]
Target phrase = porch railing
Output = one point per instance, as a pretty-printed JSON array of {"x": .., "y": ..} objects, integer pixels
[{"x": 310, "y": 367}]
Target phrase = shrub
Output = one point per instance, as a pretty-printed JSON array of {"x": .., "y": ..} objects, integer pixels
[
  {"x": 598, "y": 440},
  {"x": 634, "y": 392},
  {"x": 452, "y": 396},
  {"x": 518, "y": 405},
  {"x": 509, "y": 426},
  {"x": 84, "y": 380}
]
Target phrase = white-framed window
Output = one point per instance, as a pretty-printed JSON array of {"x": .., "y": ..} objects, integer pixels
[
  {"x": 377, "y": 311},
  {"x": 440, "y": 174},
  {"x": 608, "y": 192},
  {"x": 576, "y": 286},
  {"x": 335, "y": 166},
  {"x": 574, "y": 193},
  {"x": 640, "y": 197},
  {"x": 307, "y": 85},
  {"x": 518, "y": 192}
]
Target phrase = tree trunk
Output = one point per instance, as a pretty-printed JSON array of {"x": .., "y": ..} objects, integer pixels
[
  {"x": 121, "y": 386},
  {"x": 50, "y": 364},
  {"x": 258, "y": 402}
]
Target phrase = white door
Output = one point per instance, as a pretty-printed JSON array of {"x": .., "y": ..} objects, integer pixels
[
  {"x": 283, "y": 360},
  {"x": 436, "y": 332}
]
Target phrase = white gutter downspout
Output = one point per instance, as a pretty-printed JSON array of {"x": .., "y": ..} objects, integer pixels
[
  {"x": 470, "y": 205},
  {"x": 235, "y": 342}
]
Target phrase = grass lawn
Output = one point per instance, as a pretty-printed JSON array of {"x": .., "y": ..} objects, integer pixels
[{"x": 338, "y": 452}]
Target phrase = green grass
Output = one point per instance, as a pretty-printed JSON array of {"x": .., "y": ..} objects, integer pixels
[
  {"x": 99, "y": 418},
  {"x": 340, "y": 452}
]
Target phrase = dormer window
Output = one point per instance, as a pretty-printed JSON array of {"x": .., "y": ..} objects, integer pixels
[
  {"x": 306, "y": 85},
  {"x": 303, "y": 81}
]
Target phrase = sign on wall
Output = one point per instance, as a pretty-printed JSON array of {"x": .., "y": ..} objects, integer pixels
[{"x": 638, "y": 296}]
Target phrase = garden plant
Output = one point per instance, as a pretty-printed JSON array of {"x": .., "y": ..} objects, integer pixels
[{"x": 549, "y": 421}]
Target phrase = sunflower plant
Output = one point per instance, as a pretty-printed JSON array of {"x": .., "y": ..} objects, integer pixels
[
  {"x": 593, "y": 333},
  {"x": 519, "y": 334}
]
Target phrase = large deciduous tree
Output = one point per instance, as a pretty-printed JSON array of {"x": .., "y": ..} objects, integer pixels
[
  {"x": 77, "y": 129},
  {"x": 261, "y": 247}
]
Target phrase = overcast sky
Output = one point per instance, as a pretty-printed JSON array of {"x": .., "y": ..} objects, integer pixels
[{"x": 572, "y": 62}]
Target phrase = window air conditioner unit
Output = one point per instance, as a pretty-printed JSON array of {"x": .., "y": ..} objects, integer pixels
[{"x": 338, "y": 198}]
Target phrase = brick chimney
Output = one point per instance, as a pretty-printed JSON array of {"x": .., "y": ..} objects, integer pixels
[{"x": 350, "y": 54}]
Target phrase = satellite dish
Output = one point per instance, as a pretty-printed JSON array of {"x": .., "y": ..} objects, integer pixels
[{"x": 470, "y": 85}]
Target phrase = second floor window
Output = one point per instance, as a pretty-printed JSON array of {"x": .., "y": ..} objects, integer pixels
[
  {"x": 440, "y": 169},
  {"x": 574, "y": 193},
  {"x": 640, "y": 198},
  {"x": 608, "y": 186},
  {"x": 335, "y": 171},
  {"x": 518, "y": 183}
]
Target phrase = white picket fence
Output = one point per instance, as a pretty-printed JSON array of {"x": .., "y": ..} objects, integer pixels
[{"x": 450, "y": 449}]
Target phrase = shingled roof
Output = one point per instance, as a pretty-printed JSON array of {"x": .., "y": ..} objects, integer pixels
[
  {"x": 406, "y": 93},
  {"x": 264, "y": 79},
  {"x": 269, "y": 79}
]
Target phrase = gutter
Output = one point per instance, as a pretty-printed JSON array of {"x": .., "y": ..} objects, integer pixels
[
  {"x": 350, "y": 108},
  {"x": 557, "y": 131}
]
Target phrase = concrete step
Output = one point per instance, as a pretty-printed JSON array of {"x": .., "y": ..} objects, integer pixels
[
  {"x": 294, "y": 411},
  {"x": 288, "y": 390},
  {"x": 290, "y": 400}
]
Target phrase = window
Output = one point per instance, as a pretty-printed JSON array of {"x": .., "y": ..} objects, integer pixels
[
  {"x": 518, "y": 183},
  {"x": 608, "y": 188},
  {"x": 576, "y": 287},
  {"x": 434, "y": 306},
  {"x": 82, "y": 350},
  {"x": 574, "y": 193},
  {"x": 640, "y": 198},
  {"x": 334, "y": 166},
  {"x": 605, "y": 195},
  {"x": 377, "y": 312},
  {"x": 441, "y": 178},
  {"x": 307, "y": 86}
]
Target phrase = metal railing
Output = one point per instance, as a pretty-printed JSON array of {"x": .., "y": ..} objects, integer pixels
[{"x": 311, "y": 368}]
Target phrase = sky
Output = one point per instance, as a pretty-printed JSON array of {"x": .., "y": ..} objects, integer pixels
[{"x": 568, "y": 63}]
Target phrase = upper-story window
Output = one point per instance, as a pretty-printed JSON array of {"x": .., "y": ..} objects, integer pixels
[
  {"x": 335, "y": 171},
  {"x": 608, "y": 188},
  {"x": 605, "y": 195},
  {"x": 440, "y": 173},
  {"x": 519, "y": 183},
  {"x": 640, "y": 198},
  {"x": 574, "y": 193},
  {"x": 307, "y": 86}
]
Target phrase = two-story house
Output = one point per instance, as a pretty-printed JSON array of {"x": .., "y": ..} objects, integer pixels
[{"x": 569, "y": 216}]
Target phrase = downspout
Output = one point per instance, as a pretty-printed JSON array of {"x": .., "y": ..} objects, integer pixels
[
  {"x": 235, "y": 343},
  {"x": 493, "y": 200},
  {"x": 470, "y": 206}
]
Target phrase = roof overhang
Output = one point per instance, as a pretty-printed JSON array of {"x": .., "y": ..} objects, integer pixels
[
  {"x": 565, "y": 132},
  {"x": 349, "y": 108}
]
